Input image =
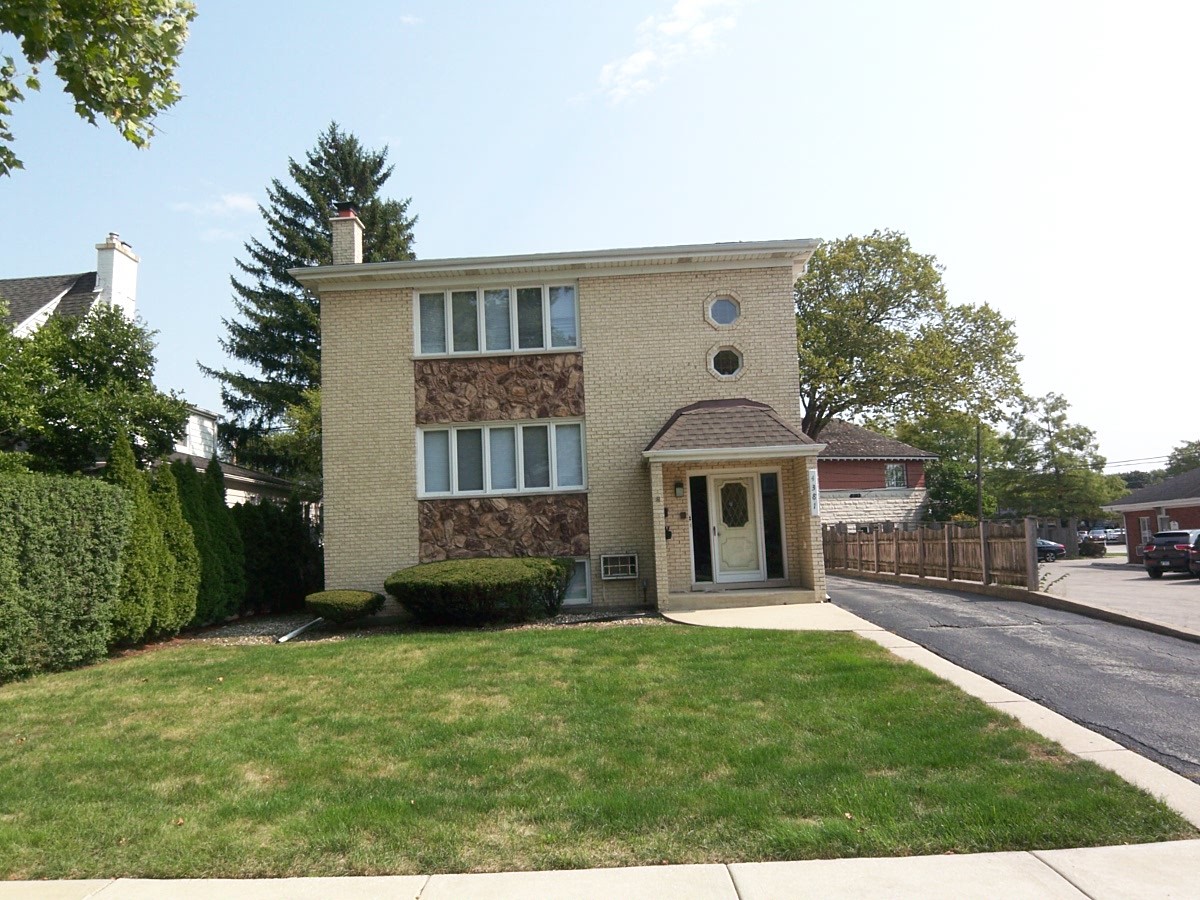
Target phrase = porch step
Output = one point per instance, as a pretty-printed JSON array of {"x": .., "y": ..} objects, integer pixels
[{"x": 735, "y": 599}]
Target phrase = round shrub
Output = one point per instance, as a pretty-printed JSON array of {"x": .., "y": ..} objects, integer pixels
[
  {"x": 484, "y": 590},
  {"x": 1088, "y": 547},
  {"x": 343, "y": 606}
]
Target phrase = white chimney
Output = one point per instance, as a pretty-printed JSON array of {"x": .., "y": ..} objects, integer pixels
[
  {"x": 116, "y": 274},
  {"x": 347, "y": 235}
]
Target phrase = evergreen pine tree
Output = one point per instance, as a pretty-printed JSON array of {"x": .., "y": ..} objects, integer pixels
[
  {"x": 228, "y": 541},
  {"x": 277, "y": 330},
  {"x": 180, "y": 606},
  {"x": 142, "y": 560}
]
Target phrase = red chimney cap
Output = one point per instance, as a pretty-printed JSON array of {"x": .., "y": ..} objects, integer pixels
[{"x": 346, "y": 209}]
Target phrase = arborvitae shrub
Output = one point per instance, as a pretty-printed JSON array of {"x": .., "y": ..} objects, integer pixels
[
  {"x": 478, "y": 591},
  {"x": 144, "y": 554},
  {"x": 227, "y": 541},
  {"x": 282, "y": 555},
  {"x": 61, "y": 542},
  {"x": 179, "y": 602},
  {"x": 210, "y": 598}
]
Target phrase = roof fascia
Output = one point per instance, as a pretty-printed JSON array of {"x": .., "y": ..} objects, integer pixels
[
  {"x": 1151, "y": 504},
  {"x": 591, "y": 264},
  {"x": 733, "y": 453}
]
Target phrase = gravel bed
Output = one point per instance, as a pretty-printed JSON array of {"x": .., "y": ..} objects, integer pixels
[{"x": 268, "y": 629}]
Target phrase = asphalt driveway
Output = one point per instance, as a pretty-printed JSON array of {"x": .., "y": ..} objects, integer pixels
[
  {"x": 1110, "y": 583},
  {"x": 1139, "y": 689}
]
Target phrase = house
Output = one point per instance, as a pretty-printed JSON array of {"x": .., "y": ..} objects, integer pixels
[
  {"x": 635, "y": 410},
  {"x": 242, "y": 485},
  {"x": 32, "y": 301},
  {"x": 869, "y": 477},
  {"x": 1166, "y": 506}
]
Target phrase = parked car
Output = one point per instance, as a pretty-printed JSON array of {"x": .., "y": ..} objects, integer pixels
[
  {"x": 1169, "y": 551},
  {"x": 1049, "y": 551},
  {"x": 1116, "y": 535},
  {"x": 1194, "y": 558},
  {"x": 1098, "y": 534}
]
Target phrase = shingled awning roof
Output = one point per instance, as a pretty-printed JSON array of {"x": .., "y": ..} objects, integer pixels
[
  {"x": 1166, "y": 493},
  {"x": 731, "y": 429},
  {"x": 25, "y": 296},
  {"x": 846, "y": 441}
]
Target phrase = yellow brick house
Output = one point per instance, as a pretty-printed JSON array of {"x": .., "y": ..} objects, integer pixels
[{"x": 636, "y": 410}]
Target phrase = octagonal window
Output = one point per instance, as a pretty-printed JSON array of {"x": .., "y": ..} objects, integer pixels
[
  {"x": 727, "y": 362},
  {"x": 724, "y": 311}
]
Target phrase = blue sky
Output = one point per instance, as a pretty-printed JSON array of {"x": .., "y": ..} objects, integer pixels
[{"x": 1044, "y": 152}]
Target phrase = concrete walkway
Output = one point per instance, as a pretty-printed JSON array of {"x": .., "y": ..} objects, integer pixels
[{"x": 1165, "y": 870}]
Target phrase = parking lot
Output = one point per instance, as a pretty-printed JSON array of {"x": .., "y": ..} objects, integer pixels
[{"x": 1110, "y": 583}]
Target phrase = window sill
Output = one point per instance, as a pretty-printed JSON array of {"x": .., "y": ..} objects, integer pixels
[
  {"x": 503, "y": 495},
  {"x": 489, "y": 354}
]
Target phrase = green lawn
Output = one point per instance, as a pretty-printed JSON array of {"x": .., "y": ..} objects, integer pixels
[{"x": 527, "y": 749}]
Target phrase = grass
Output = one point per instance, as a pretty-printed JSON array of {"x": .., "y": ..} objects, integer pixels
[{"x": 527, "y": 749}]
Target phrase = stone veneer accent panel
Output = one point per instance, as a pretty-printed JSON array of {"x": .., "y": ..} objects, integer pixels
[
  {"x": 879, "y": 505},
  {"x": 554, "y": 525},
  {"x": 487, "y": 389}
]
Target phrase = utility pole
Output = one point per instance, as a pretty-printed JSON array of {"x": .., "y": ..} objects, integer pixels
[{"x": 979, "y": 467}]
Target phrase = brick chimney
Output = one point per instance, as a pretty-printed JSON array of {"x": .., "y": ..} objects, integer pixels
[
  {"x": 116, "y": 274},
  {"x": 347, "y": 235}
]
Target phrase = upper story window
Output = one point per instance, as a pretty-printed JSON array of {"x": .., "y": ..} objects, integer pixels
[
  {"x": 723, "y": 310},
  {"x": 895, "y": 475},
  {"x": 497, "y": 320}
]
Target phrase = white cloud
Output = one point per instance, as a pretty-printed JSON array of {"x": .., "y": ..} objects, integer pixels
[
  {"x": 689, "y": 29},
  {"x": 224, "y": 206}
]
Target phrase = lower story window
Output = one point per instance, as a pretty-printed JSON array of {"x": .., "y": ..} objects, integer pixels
[
  {"x": 579, "y": 592},
  {"x": 507, "y": 457}
]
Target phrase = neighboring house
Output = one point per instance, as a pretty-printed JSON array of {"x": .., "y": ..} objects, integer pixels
[
  {"x": 868, "y": 477},
  {"x": 1166, "y": 506},
  {"x": 32, "y": 301},
  {"x": 636, "y": 410},
  {"x": 242, "y": 485}
]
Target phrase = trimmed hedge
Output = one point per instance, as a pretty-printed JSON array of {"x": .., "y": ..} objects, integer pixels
[
  {"x": 61, "y": 542},
  {"x": 283, "y": 558},
  {"x": 483, "y": 590},
  {"x": 1091, "y": 548},
  {"x": 343, "y": 606}
]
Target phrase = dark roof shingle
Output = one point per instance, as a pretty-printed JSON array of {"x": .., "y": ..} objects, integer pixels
[
  {"x": 726, "y": 424},
  {"x": 25, "y": 296},
  {"x": 1185, "y": 486},
  {"x": 846, "y": 441}
]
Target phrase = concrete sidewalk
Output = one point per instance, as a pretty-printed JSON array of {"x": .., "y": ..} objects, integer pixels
[
  {"x": 1166, "y": 870},
  {"x": 1102, "y": 873}
]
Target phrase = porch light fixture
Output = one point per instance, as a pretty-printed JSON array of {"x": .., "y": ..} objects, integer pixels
[{"x": 679, "y": 489}]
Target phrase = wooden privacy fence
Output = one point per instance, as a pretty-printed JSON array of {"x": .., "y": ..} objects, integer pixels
[{"x": 986, "y": 553}]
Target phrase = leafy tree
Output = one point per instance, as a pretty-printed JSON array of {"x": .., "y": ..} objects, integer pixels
[
  {"x": 277, "y": 329},
  {"x": 1052, "y": 468},
  {"x": 1184, "y": 458},
  {"x": 876, "y": 336},
  {"x": 950, "y": 481},
  {"x": 1140, "y": 478},
  {"x": 178, "y": 606},
  {"x": 143, "y": 558},
  {"x": 116, "y": 59},
  {"x": 74, "y": 384}
]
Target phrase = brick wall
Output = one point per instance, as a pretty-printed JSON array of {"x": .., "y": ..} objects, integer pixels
[
  {"x": 1186, "y": 516},
  {"x": 368, "y": 436},
  {"x": 879, "y": 505},
  {"x": 864, "y": 474},
  {"x": 646, "y": 344}
]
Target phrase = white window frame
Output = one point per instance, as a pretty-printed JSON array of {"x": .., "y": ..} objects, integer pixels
[
  {"x": 551, "y": 426},
  {"x": 514, "y": 339},
  {"x": 587, "y": 581},
  {"x": 903, "y": 468}
]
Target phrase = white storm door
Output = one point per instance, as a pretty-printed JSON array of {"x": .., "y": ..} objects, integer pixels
[{"x": 737, "y": 537}]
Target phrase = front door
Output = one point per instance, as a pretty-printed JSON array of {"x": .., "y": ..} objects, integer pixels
[{"x": 737, "y": 545}]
